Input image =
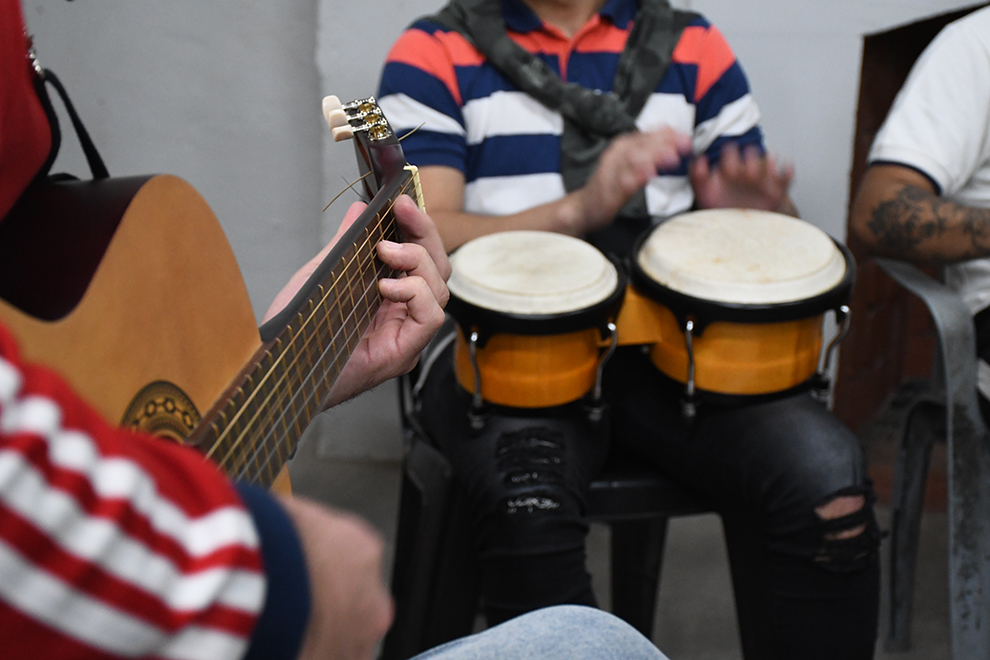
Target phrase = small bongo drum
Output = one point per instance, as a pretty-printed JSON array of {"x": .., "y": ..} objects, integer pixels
[
  {"x": 532, "y": 310},
  {"x": 732, "y": 301}
]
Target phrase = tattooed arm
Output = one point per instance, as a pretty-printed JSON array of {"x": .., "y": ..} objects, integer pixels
[{"x": 898, "y": 214}]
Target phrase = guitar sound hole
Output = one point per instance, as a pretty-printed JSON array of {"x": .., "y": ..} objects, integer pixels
[{"x": 162, "y": 409}]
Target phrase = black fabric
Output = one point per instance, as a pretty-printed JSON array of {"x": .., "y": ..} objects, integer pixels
[
  {"x": 591, "y": 118},
  {"x": 93, "y": 159},
  {"x": 982, "y": 324},
  {"x": 764, "y": 466}
]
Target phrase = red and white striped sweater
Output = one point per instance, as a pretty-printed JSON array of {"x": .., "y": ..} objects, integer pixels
[{"x": 114, "y": 544}]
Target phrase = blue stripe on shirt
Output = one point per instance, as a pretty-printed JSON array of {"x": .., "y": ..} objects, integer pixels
[{"x": 509, "y": 155}]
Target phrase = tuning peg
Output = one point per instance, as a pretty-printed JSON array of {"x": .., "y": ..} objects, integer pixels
[
  {"x": 333, "y": 112},
  {"x": 344, "y": 132}
]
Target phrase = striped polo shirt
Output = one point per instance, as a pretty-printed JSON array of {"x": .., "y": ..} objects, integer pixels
[{"x": 507, "y": 144}]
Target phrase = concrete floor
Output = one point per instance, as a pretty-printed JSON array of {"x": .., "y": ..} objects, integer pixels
[{"x": 350, "y": 458}]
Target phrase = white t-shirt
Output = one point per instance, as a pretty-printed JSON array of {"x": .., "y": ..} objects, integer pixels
[{"x": 940, "y": 125}]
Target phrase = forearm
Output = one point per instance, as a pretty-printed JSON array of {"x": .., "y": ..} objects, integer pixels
[
  {"x": 903, "y": 218},
  {"x": 561, "y": 216}
]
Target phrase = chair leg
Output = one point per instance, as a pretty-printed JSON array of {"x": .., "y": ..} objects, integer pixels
[
  {"x": 433, "y": 575},
  {"x": 637, "y": 558},
  {"x": 969, "y": 533},
  {"x": 923, "y": 426}
]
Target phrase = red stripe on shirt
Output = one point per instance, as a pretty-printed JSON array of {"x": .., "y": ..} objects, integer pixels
[
  {"x": 24, "y": 637},
  {"x": 437, "y": 55},
  {"x": 707, "y": 49},
  {"x": 604, "y": 38},
  {"x": 121, "y": 512},
  {"x": 100, "y": 585}
]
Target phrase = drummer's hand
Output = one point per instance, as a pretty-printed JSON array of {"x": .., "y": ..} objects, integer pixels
[
  {"x": 625, "y": 166},
  {"x": 742, "y": 180},
  {"x": 412, "y": 309}
]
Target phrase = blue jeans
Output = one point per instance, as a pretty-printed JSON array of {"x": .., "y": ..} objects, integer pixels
[{"x": 564, "y": 632}]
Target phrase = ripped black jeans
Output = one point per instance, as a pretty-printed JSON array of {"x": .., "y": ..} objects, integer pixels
[{"x": 801, "y": 592}]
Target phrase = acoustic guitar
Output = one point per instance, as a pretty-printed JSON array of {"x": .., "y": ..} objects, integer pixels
[{"x": 129, "y": 289}]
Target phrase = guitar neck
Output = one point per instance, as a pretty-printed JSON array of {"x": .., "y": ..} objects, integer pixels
[{"x": 257, "y": 425}]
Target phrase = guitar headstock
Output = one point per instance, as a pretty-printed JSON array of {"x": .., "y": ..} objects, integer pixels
[{"x": 377, "y": 147}]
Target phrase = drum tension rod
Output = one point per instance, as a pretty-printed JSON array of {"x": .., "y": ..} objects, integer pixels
[
  {"x": 595, "y": 408},
  {"x": 476, "y": 415},
  {"x": 823, "y": 384},
  {"x": 689, "y": 406}
]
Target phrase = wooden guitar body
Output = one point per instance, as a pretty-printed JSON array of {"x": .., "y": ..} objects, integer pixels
[
  {"x": 166, "y": 302},
  {"x": 129, "y": 289}
]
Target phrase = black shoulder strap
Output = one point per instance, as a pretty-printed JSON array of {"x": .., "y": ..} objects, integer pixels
[{"x": 590, "y": 117}]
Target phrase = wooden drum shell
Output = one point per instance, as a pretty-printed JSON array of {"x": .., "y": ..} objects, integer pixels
[
  {"x": 538, "y": 304},
  {"x": 531, "y": 371},
  {"x": 739, "y": 349}
]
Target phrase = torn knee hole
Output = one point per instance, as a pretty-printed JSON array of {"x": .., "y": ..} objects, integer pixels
[
  {"x": 843, "y": 507},
  {"x": 849, "y": 534}
]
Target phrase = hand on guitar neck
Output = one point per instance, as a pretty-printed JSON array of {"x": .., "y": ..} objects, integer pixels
[{"x": 412, "y": 310}]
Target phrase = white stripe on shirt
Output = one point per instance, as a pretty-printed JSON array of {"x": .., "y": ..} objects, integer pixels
[
  {"x": 671, "y": 110},
  {"x": 63, "y": 608},
  {"x": 503, "y": 195},
  {"x": 734, "y": 119},
  {"x": 405, "y": 113},
  {"x": 509, "y": 113},
  {"x": 100, "y": 542},
  {"x": 121, "y": 478}
]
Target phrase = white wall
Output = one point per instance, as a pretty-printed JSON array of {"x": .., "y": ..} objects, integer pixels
[{"x": 223, "y": 93}]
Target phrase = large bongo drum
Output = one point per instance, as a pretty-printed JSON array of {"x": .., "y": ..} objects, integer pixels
[
  {"x": 732, "y": 301},
  {"x": 533, "y": 311}
]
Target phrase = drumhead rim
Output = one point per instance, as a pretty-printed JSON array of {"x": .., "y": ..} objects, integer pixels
[
  {"x": 704, "y": 311},
  {"x": 488, "y": 322}
]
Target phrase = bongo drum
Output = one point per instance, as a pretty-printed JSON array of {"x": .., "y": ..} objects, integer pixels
[
  {"x": 532, "y": 310},
  {"x": 732, "y": 301}
]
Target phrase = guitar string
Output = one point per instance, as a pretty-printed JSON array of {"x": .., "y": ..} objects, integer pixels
[
  {"x": 253, "y": 404},
  {"x": 263, "y": 458},
  {"x": 305, "y": 352},
  {"x": 277, "y": 359},
  {"x": 277, "y": 404},
  {"x": 310, "y": 395}
]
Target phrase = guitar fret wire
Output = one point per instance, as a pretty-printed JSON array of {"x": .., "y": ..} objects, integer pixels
[
  {"x": 281, "y": 355},
  {"x": 309, "y": 395},
  {"x": 367, "y": 258},
  {"x": 277, "y": 387},
  {"x": 377, "y": 226}
]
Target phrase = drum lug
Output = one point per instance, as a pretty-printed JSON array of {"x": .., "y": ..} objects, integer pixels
[
  {"x": 821, "y": 383},
  {"x": 596, "y": 407},
  {"x": 689, "y": 405}
]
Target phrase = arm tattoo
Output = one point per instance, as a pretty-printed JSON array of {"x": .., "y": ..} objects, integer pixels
[{"x": 913, "y": 216}]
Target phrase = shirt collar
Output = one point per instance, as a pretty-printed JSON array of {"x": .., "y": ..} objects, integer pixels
[{"x": 520, "y": 18}]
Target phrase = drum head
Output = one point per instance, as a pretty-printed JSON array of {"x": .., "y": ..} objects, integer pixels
[
  {"x": 738, "y": 259},
  {"x": 531, "y": 276}
]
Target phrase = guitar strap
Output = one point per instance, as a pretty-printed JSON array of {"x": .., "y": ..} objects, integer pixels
[{"x": 591, "y": 118}]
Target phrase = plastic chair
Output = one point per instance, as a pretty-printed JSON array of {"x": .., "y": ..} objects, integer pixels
[
  {"x": 435, "y": 580},
  {"x": 949, "y": 410}
]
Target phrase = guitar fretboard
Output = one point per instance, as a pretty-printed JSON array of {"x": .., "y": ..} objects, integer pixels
[{"x": 255, "y": 431}]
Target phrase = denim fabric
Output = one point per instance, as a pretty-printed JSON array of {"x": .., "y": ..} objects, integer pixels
[{"x": 565, "y": 632}]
